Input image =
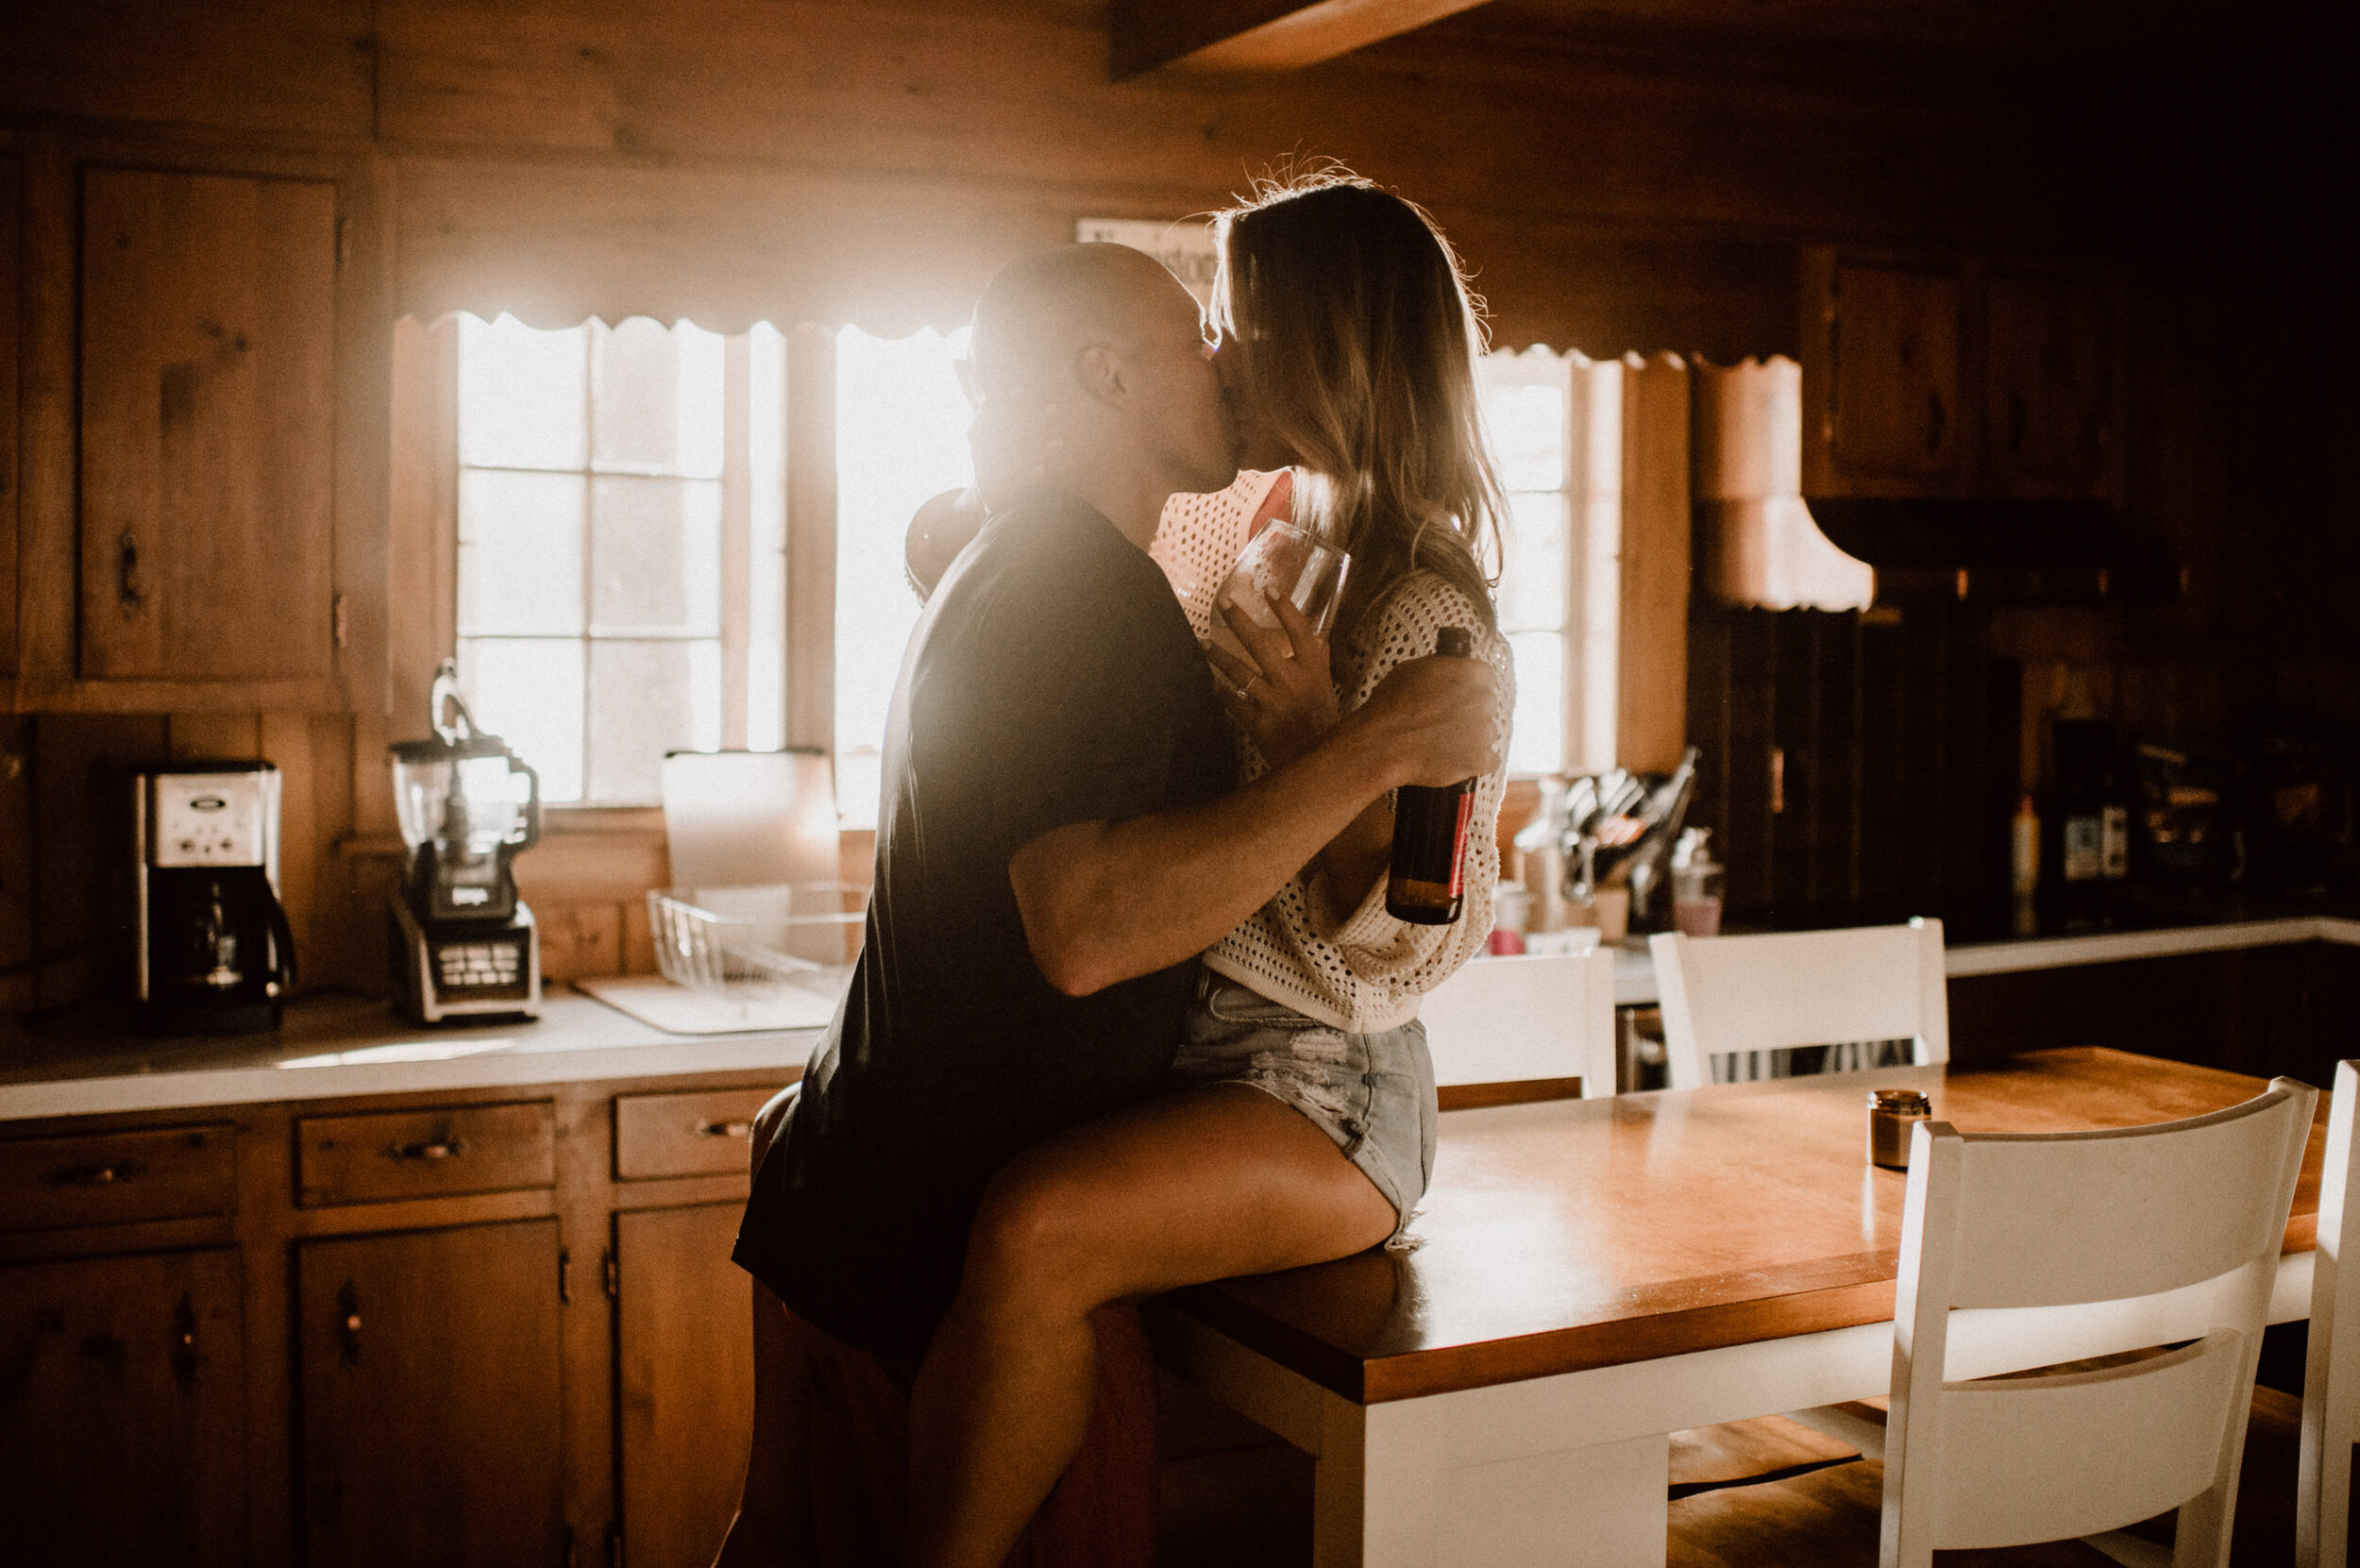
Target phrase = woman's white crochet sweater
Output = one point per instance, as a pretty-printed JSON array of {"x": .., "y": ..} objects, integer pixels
[{"x": 1355, "y": 969}]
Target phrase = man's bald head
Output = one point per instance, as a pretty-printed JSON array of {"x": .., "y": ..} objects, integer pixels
[{"x": 1041, "y": 311}]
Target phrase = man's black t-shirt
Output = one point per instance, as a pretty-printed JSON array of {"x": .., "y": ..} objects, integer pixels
[{"x": 1053, "y": 679}]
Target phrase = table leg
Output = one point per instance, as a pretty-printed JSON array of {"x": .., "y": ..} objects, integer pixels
[{"x": 1386, "y": 1497}]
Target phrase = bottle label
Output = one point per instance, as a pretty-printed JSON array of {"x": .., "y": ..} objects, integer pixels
[
  {"x": 1458, "y": 845},
  {"x": 2114, "y": 843},
  {"x": 2084, "y": 849}
]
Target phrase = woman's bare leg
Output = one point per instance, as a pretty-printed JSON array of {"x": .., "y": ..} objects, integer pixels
[{"x": 1207, "y": 1183}]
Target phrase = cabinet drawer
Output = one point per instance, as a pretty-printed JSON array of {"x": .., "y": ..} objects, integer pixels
[
  {"x": 425, "y": 1154},
  {"x": 115, "y": 1178},
  {"x": 702, "y": 1133}
]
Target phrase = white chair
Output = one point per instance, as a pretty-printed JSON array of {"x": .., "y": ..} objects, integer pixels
[
  {"x": 1727, "y": 995},
  {"x": 2135, "y": 1237},
  {"x": 2331, "y": 1377},
  {"x": 1505, "y": 1030}
]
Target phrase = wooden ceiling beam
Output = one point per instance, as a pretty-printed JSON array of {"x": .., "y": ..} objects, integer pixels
[{"x": 1258, "y": 35}]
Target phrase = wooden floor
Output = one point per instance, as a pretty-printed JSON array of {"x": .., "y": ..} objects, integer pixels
[
  {"x": 1764, "y": 1493},
  {"x": 1827, "y": 1517}
]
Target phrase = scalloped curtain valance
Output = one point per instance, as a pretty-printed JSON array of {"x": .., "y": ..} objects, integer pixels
[{"x": 724, "y": 247}]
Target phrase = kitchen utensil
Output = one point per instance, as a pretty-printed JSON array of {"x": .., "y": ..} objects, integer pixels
[
  {"x": 212, "y": 950},
  {"x": 465, "y": 943}
]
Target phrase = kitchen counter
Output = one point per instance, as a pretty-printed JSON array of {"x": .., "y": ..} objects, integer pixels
[
  {"x": 1634, "y": 972},
  {"x": 92, "y": 1062}
]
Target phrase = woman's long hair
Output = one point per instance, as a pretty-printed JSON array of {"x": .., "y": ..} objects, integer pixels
[{"x": 1360, "y": 335}]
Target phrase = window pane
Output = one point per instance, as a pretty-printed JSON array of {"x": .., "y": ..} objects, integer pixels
[
  {"x": 656, "y": 565},
  {"x": 1538, "y": 745},
  {"x": 1532, "y": 588},
  {"x": 529, "y": 692},
  {"x": 901, "y": 437},
  {"x": 520, "y": 395},
  {"x": 646, "y": 698},
  {"x": 1528, "y": 429},
  {"x": 519, "y": 553},
  {"x": 657, "y": 398}
]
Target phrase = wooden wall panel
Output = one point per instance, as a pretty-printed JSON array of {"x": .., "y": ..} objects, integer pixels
[
  {"x": 1652, "y": 726},
  {"x": 279, "y": 66},
  {"x": 11, "y": 367}
]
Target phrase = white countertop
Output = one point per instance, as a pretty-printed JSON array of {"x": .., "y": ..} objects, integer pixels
[
  {"x": 333, "y": 1047},
  {"x": 1634, "y": 972}
]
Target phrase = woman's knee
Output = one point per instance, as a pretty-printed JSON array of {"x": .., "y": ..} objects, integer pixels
[{"x": 1032, "y": 1239}]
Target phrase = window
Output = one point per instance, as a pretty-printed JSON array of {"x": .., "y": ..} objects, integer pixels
[
  {"x": 1554, "y": 424},
  {"x": 900, "y": 437},
  {"x": 622, "y": 560}
]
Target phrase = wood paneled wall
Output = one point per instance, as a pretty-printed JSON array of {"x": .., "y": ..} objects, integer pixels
[{"x": 876, "y": 158}]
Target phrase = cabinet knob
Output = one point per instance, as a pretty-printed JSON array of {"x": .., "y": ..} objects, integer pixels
[
  {"x": 127, "y": 591},
  {"x": 348, "y": 1328},
  {"x": 184, "y": 1341},
  {"x": 98, "y": 1176},
  {"x": 726, "y": 1129},
  {"x": 435, "y": 1149}
]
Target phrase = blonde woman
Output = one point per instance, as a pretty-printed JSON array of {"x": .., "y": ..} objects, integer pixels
[{"x": 1302, "y": 1127}]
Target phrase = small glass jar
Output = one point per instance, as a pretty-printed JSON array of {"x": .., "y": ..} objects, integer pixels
[{"x": 1891, "y": 1114}]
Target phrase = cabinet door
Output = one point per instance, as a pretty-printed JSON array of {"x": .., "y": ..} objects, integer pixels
[
  {"x": 11, "y": 183},
  {"x": 2051, "y": 386},
  {"x": 1894, "y": 422},
  {"x": 208, "y": 427},
  {"x": 687, "y": 1381},
  {"x": 121, "y": 1411},
  {"x": 431, "y": 1417}
]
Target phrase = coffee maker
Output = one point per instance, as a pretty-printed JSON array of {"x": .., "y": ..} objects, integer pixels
[
  {"x": 211, "y": 954},
  {"x": 463, "y": 943}
]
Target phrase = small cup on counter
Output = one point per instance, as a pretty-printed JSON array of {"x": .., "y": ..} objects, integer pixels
[{"x": 1891, "y": 1114}]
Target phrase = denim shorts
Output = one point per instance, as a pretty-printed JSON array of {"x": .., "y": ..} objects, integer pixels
[{"x": 1372, "y": 1094}]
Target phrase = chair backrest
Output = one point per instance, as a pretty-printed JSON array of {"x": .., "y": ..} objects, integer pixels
[
  {"x": 2016, "y": 1224},
  {"x": 2331, "y": 1377},
  {"x": 1508, "y": 1029},
  {"x": 1726, "y": 994}
]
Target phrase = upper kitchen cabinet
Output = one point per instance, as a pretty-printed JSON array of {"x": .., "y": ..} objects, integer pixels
[
  {"x": 203, "y": 498},
  {"x": 1887, "y": 394},
  {"x": 1959, "y": 377},
  {"x": 2050, "y": 380}
]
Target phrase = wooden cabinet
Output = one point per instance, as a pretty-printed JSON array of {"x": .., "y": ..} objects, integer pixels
[
  {"x": 431, "y": 1396},
  {"x": 1891, "y": 414},
  {"x": 1960, "y": 378},
  {"x": 208, "y": 426},
  {"x": 2050, "y": 386},
  {"x": 685, "y": 1341},
  {"x": 11, "y": 186},
  {"x": 202, "y": 510},
  {"x": 121, "y": 1411},
  {"x": 484, "y": 1325}
]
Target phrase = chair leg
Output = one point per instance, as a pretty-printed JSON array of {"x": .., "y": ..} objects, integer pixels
[
  {"x": 1844, "y": 1427},
  {"x": 2201, "y": 1536}
]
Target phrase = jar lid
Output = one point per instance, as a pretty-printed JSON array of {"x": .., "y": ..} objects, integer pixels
[{"x": 1898, "y": 1100}]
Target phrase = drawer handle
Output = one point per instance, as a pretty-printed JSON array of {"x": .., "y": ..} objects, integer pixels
[
  {"x": 726, "y": 1129},
  {"x": 98, "y": 1175},
  {"x": 437, "y": 1149}
]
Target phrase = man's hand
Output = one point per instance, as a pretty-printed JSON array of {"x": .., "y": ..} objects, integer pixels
[{"x": 1436, "y": 719}]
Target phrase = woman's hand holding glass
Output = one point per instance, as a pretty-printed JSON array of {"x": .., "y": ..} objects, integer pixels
[{"x": 1281, "y": 692}]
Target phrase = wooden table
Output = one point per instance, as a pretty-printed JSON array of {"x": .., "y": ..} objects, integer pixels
[{"x": 1596, "y": 1275}]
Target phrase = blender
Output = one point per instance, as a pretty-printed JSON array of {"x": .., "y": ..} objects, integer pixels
[{"x": 463, "y": 943}]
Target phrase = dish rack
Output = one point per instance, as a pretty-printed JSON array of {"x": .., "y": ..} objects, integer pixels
[{"x": 758, "y": 941}]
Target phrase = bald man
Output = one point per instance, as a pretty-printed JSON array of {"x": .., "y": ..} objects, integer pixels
[{"x": 1059, "y": 834}]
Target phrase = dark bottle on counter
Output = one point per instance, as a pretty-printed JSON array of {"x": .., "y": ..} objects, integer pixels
[
  {"x": 1427, "y": 884},
  {"x": 2094, "y": 822}
]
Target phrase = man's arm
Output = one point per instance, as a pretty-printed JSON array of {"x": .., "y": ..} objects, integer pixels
[{"x": 1106, "y": 901}]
